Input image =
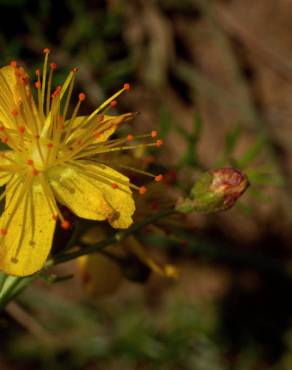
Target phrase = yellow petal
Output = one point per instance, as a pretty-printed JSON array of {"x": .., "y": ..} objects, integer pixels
[
  {"x": 10, "y": 93},
  {"x": 5, "y": 175},
  {"x": 107, "y": 124},
  {"x": 99, "y": 274},
  {"x": 88, "y": 193},
  {"x": 25, "y": 247}
]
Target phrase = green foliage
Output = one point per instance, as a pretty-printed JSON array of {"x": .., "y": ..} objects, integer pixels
[{"x": 179, "y": 336}]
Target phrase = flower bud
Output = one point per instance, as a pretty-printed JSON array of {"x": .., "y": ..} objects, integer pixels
[{"x": 216, "y": 190}]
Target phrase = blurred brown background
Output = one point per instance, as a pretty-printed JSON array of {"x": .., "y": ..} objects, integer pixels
[{"x": 228, "y": 62}]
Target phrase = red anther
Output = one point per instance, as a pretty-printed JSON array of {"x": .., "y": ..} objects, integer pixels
[
  {"x": 57, "y": 91},
  {"x": 21, "y": 129},
  {"x": 50, "y": 145},
  {"x": 158, "y": 178},
  {"x": 65, "y": 224},
  {"x": 61, "y": 118},
  {"x": 4, "y": 140},
  {"x": 38, "y": 72},
  {"x": 130, "y": 137},
  {"x": 74, "y": 70},
  {"x": 154, "y": 133},
  {"x": 142, "y": 190},
  {"x": 13, "y": 63},
  {"x": 82, "y": 97},
  {"x": 127, "y": 86},
  {"x": 35, "y": 172},
  {"x": 113, "y": 103},
  {"x": 114, "y": 185},
  {"x": 53, "y": 65},
  {"x": 29, "y": 162},
  {"x": 46, "y": 51},
  {"x": 55, "y": 217},
  {"x": 14, "y": 112},
  {"x": 37, "y": 84},
  {"x": 3, "y": 231},
  {"x": 159, "y": 143}
]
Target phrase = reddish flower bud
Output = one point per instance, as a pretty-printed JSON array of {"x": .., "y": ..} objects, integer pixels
[{"x": 216, "y": 190}]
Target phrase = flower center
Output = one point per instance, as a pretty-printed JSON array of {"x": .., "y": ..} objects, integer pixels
[{"x": 40, "y": 155}]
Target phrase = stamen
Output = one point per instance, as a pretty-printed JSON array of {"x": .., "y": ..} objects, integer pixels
[
  {"x": 65, "y": 224},
  {"x": 158, "y": 178},
  {"x": 142, "y": 190},
  {"x": 43, "y": 88},
  {"x": 127, "y": 86},
  {"x": 53, "y": 66},
  {"x": 69, "y": 94},
  {"x": 159, "y": 143}
]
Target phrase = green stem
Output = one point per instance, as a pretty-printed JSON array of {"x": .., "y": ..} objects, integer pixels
[
  {"x": 117, "y": 237},
  {"x": 13, "y": 285},
  {"x": 9, "y": 285},
  {"x": 2, "y": 280}
]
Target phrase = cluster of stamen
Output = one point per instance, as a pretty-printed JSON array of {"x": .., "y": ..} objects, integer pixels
[{"x": 41, "y": 134}]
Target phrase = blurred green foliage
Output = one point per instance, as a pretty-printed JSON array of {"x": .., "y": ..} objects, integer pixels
[{"x": 179, "y": 335}]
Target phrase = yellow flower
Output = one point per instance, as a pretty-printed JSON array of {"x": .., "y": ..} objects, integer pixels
[{"x": 53, "y": 158}]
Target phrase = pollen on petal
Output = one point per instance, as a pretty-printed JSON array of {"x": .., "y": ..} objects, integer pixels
[
  {"x": 21, "y": 129},
  {"x": 35, "y": 172},
  {"x": 114, "y": 185},
  {"x": 3, "y": 232}
]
